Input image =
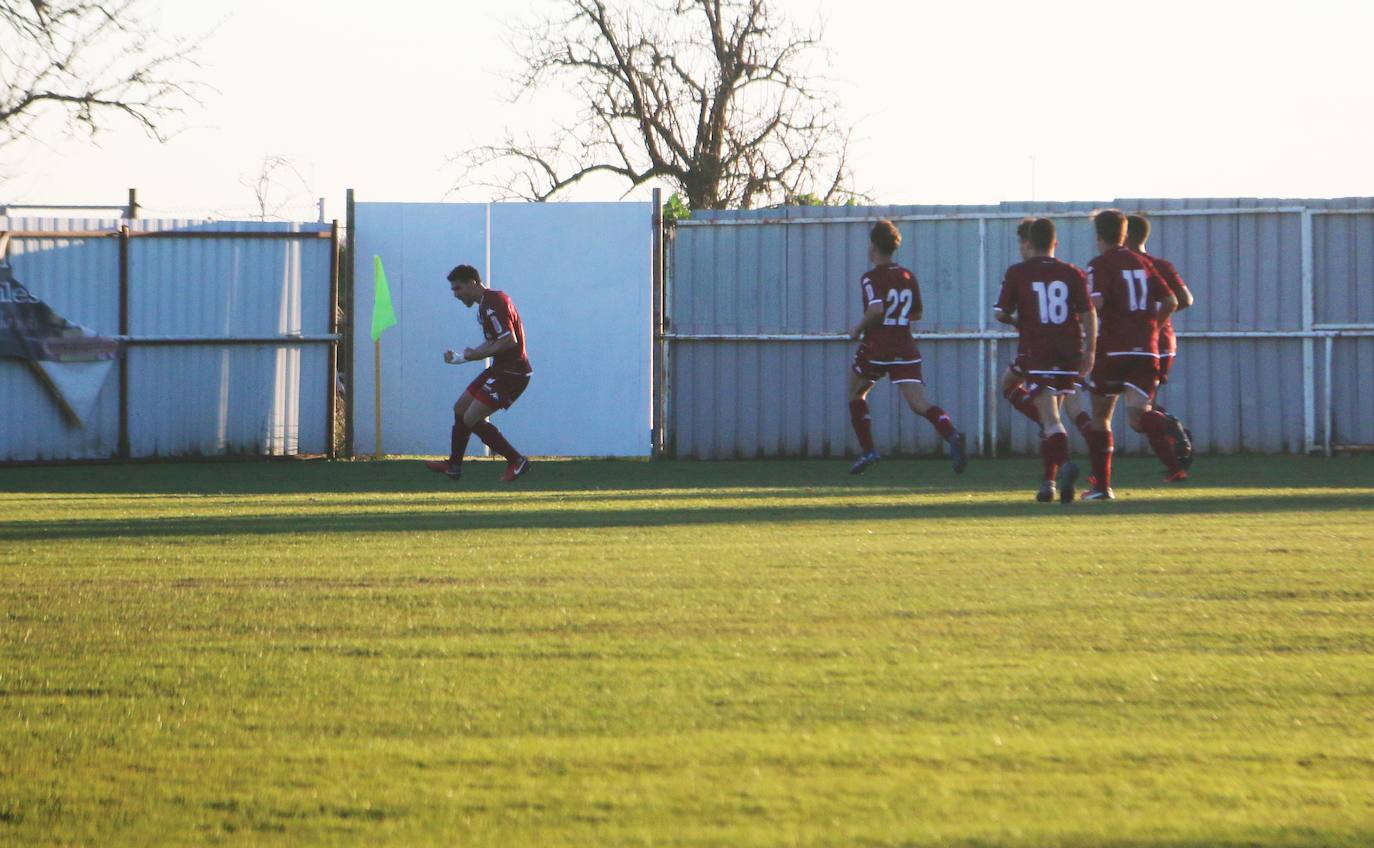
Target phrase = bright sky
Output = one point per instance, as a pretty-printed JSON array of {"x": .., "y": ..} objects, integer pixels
[{"x": 952, "y": 102}]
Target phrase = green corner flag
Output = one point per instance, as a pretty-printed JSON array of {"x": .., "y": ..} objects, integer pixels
[{"x": 383, "y": 315}]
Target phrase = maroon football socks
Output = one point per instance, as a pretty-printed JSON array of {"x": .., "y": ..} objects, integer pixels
[
  {"x": 1100, "y": 451},
  {"x": 1020, "y": 400},
  {"x": 1084, "y": 422},
  {"x": 1054, "y": 451},
  {"x": 863, "y": 423},
  {"x": 935, "y": 415},
  {"x": 492, "y": 438},
  {"x": 1154, "y": 425},
  {"x": 458, "y": 442}
]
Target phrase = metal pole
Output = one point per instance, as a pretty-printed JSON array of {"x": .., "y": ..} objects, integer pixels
[
  {"x": 1309, "y": 388},
  {"x": 123, "y": 449},
  {"x": 350, "y": 326},
  {"x": 656, "y": 330},
  {"x": 133, "y": 203},
  {"x": 980, "y": 443},
  {"x": 332, "y": 369},
  {"x": 1330, "y": 342},
  {"x": 992, "y": 419},
  {"x": 377, "y": 391}
]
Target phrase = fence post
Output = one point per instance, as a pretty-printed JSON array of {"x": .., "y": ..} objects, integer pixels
[
  {"x": 123, "y": 449},
  {"x": 332, "y": 366},
  {"x": 980, "y": 445},
  {"x": 656, "y": 338},
  {"x": 1309, "y": 388},
  {"x": 350, "y": 323}
]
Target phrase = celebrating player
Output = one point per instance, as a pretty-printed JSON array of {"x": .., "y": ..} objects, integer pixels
[
  {"x": 1137, "y": 233},
  {"x": 1047, "y": 300},
  {"x": 1014, "y": 378},
  {"x": 499, "y": 386},
  {"x": 892, "y": 301},
  {"x": 1131, "y": 300}
]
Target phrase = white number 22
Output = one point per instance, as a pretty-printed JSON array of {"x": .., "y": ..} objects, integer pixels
[{"x": 895, "y": 300}]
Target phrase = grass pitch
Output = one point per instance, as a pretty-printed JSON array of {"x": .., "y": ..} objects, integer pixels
[{"x": 625, "y": 653}]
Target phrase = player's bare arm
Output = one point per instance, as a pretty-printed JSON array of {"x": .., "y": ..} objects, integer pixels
[
  {"x": 1185, "y": 298},
  {"x": 1088, "y": 318},
  {"x": 1168, "y": 306},
  {"x": 491, "y": 348},
  {"x": 873, "y": 316}
]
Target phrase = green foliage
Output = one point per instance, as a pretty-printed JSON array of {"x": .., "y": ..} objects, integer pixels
[
  {"x": 675, "y": 209},
  {"x": 631, "y": 653},
  {"x": 817, "y": 200}
]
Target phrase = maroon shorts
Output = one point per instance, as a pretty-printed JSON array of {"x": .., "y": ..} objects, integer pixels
[
  {"x": 1051, "y": 370},
  {"x": 1018, "y": 365},
  {"x": 899, "y": 368},
  {"x": 1113, "y": 375},
  {"x": 498, "y": 389}
]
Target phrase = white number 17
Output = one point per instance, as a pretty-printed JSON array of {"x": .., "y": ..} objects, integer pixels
[{"x": 1137, "y": 278}]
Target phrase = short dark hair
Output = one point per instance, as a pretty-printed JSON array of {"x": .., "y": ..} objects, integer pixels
[
  {"x": 1110, "y": 225},
  {"x": 1023, "y": 228},
  {"x": 1137, "y": 230},
  {"x": 1040, "y": 234},
  {"x": 466, "y": 273},
  {"x": 885, "y": 237}
]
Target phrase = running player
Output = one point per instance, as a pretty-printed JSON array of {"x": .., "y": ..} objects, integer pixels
[
  {"x": 1137, "y": 233},
  {"x": 1047, "y": 300},
  {"x": 1014, "y": 378},
  {"x": 1131, "y": 300},
  {"x": 499, "y": 386},
  {"x": 891, "y": 300}
]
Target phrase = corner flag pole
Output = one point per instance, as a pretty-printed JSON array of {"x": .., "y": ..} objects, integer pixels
[{"x": 383, "y": 317}]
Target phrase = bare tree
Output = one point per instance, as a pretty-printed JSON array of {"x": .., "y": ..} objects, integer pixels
[
  {"x": 276, "y": 187},
  {"x": 88, "y": 62},
  {"x": 710, "y": 96}
]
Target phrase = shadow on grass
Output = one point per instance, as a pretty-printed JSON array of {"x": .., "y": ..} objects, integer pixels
[
  {"x": 409, "y": 476},
  {"x": 463, "y": 516}
]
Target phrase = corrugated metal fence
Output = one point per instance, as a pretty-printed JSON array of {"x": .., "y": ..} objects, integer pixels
[
  {"x": 229, "y": 330},
  {"x": 1275, "y": 357}
]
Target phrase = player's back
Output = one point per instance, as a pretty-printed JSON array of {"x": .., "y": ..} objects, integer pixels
[
  {"x": 1047, "y": 295},
  {"x": 896, "y": 289},
  {"x": 1130, "y": 287}
]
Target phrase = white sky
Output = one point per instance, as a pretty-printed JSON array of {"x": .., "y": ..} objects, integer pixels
[{"x": 950, "y": 100}]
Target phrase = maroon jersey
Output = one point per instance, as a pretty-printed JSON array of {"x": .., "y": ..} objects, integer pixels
[
  {"x": 1130, "y": 289},
  {"x": 1046, "y": 296},
  {"x": 498, "y": 318},
  {"x": 1170, "y": 276},
  {"x": 896, "y": 289}
]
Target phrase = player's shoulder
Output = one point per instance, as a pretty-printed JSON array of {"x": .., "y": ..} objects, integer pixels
[
  {"x": 1162, "y": 265},
  {"x": 1067, "y": 268}
]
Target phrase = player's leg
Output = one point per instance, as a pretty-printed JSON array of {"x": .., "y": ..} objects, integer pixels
[
  {"x": 1100, "y": 446},
  {"x": 494, "y": 395},
  {"x": 1157, "y": 428},
  {"x": 1014, "y": 390},
  {"x": 458, "y": 440},
  {"x": 860, "y": 385},
  {"x": 1077, "y": 411},
  {"x": 1180, "y": 435},
  {"x": 1054, "y": 447},
  {"x": 914, "y": 391}
]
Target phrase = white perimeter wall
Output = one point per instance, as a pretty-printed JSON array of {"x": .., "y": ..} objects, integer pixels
[{"x": 580, "y": 276}]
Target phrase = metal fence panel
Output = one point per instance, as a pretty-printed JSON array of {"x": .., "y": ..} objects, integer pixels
[
  {"x": 1291, "y": 270},
  {"x": 183, "y": 399}
]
